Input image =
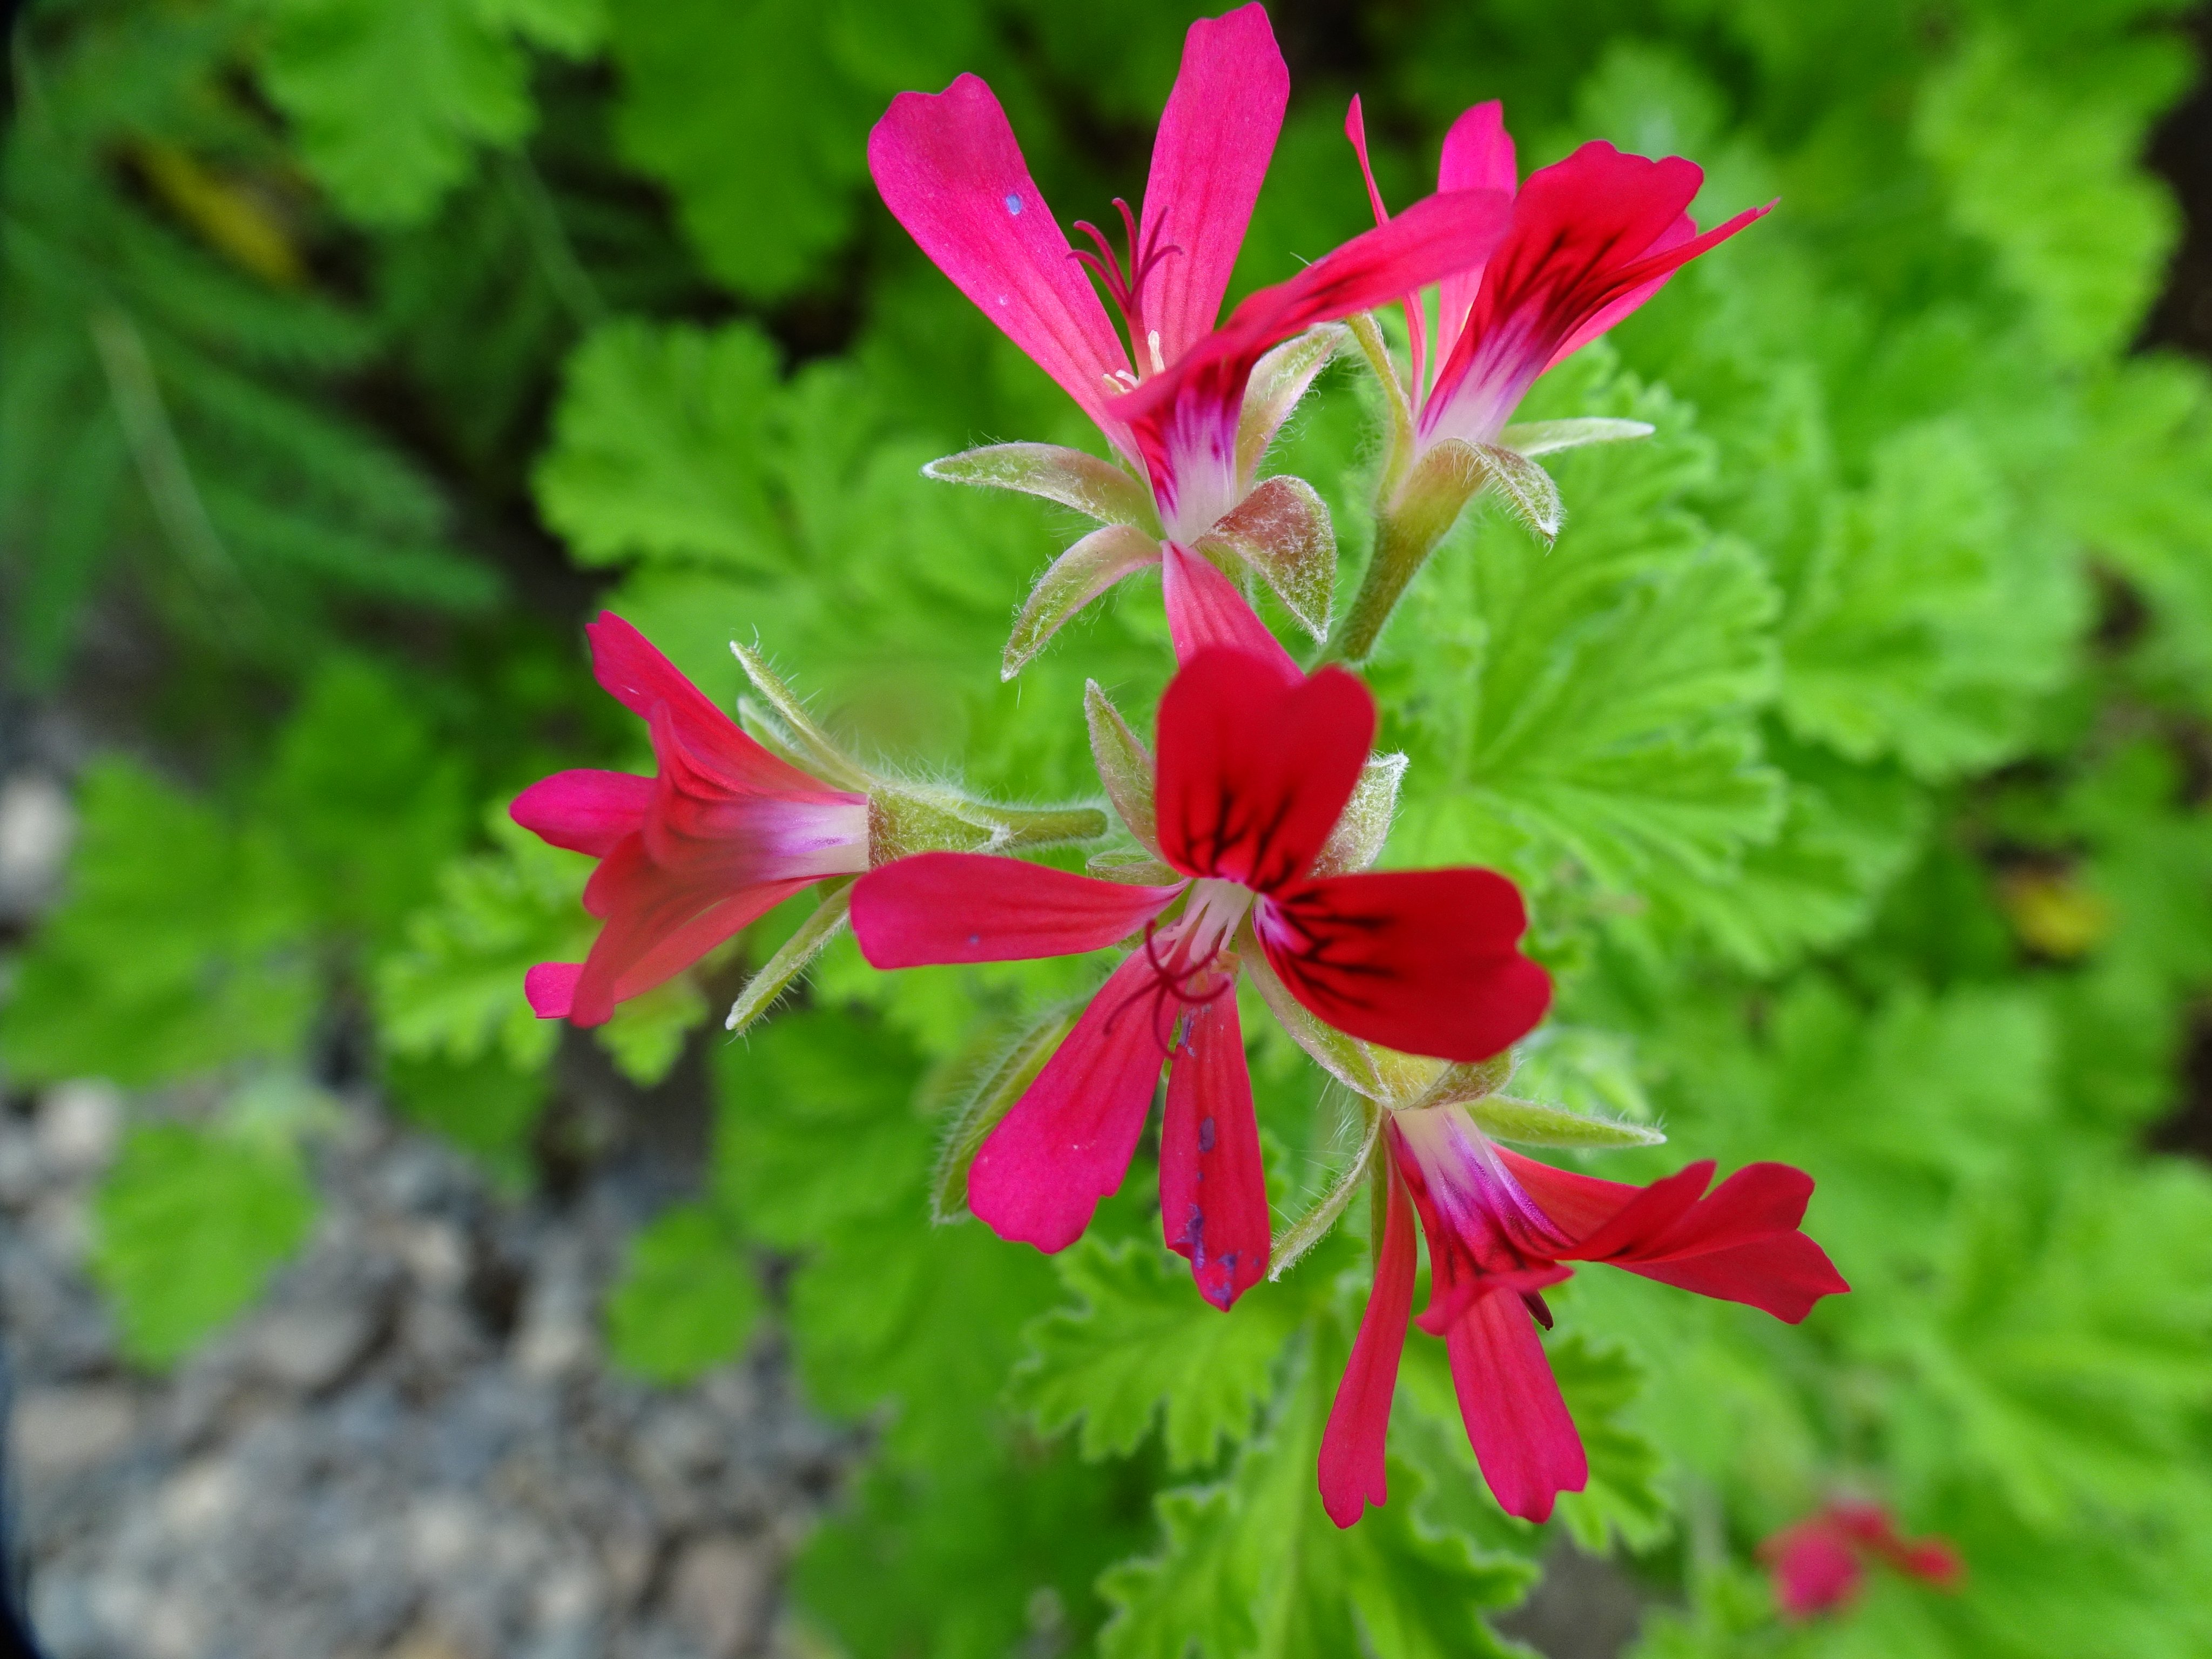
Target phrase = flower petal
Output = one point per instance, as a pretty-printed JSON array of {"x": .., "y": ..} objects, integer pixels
[
  {"x": 949, "y": 170},
  {"x": 1206, "y": 613},
  {"x": 1815, "y": 1567},
  {"x": 1352, "y": 1474},
  {"x": 1067, "y": 1142},
  {"x": 657, "y": 923},
  {"x": 1213, "y": 1190},
  {"x": 1184, "y": 422},
  {"x": 1254, "y": 772},
  {"x": 1215, "y": 138},
  {"x": 1740, "y": 1243},
  {"x": 551, "y": 988},
  {"x": 586, "y": 812},
  {"x": 1422, "y": 961},
  {"x": 637, "y": 676},
  {"x": 1477, "y": 154},
  {"x": 971, "y": 907},
  {"x": 1515, "y": 1420}
]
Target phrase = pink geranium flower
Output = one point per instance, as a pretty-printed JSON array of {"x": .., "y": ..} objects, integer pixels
[
  {"x": 720, "y": 833},
  {"x": 1499, "y": 1227},
  {"x": 1168, "y": 390},
  {"x": 1819, "y": 1563},
  {"x": 1257, "y": 761}
]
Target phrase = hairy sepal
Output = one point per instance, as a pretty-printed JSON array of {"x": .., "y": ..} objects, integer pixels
[
  {"x": 1282, "y": 530},
  {"x": 1131, "y": 864},
  {"x": 1074, "y": 580},
  {"x": 1125, "y": 764},
  {"x": 906, "y": 818},
  {"x": 997, "y": 1087},
  {"x": 1546, "y": 437},
  {"x": 1526, "y": 488},
  {"x": 1532, "y": 1124},
  {"x": 793, "y": 956},
  {"x": 1459, "y": 1081},
  {"x": 1279, "y": 380},
  {"x": 1312, "y": 1225},
  {"x": 785, "y": 725},
  {"x": 1097, "y": 488},
  {"x": 1358, "y": 840}
]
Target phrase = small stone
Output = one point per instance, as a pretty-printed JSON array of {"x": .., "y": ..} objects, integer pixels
[
  {"x": 79, "y": 1124},
  {"x": 443, "y": 1531},
  {"x": 37, "y": 825},
  {"x": 718, "y": 1593},
  {"x": 201, "y": 1497},
  {"x": 58, "y": 1431},
  {"x": 308, "y": 1349}
]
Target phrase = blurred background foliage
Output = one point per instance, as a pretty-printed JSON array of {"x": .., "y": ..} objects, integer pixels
[{"x": 1852, "y": 744}]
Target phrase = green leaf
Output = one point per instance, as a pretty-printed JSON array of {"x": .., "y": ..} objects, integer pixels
[
  {"x": 1139, "y": 1345},
  {"x": 391, "y": 97},
  {"x": 658, "y": 447},
  {"x": 687, "y": 1299},
  {"x": 1254, "y": 1566},
  {"x": 187, "y": 1226}
]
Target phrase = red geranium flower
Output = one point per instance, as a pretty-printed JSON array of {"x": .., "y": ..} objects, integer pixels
[
  {"x": 1172, "y": 398},
  {"x": 1499, "y": 1226},
  {"x": 1256, "y": 763},
  {"x": 1590, "y": 240},
  {"x": 720, "y": 835},
  {"x": 1819, "y": 1564}
]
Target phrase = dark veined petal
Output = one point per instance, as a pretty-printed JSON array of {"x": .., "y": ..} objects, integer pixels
[
  {"x": 1215, "y": 139},
  {"x": 969, "y": 906},
  {"x": 1253, "y": 772},
  {"x": 1352, "y": 1473},
  {"x": 949, "y": 170},
  {"x": 1423, "y": 961},
  {"x": 1067, "y": 1141},
  {"x": 1213, "y": 1190}
]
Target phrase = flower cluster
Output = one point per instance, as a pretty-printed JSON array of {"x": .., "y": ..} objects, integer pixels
[{"x": 1259, "y": 806}]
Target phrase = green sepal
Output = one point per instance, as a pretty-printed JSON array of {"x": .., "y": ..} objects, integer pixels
[
  {"x": 792, "y": 956},
  {"x": 1278, "y": 381},
  {"x": 1313, "y": 1224},
  {"x": 1527, "y": 488},
  {"x": 1532, "y": 1124},
  {"x": 1365, "y": 824},
  {"x": 1132, "y": 864},
  {"x": 1545, "y": 437},
  {"x": 1072, "y": 581},
  {"x": 1464, "y": 1080},
  {"x": 906, "y": 818},
  {"x": 997, "y": 1086},
  {"x": 802, "y": 742},
  {"x": 1282, "y": 530},
  {"x": 1125, "y": 764},
  {"x": 1097, "y": 488}
]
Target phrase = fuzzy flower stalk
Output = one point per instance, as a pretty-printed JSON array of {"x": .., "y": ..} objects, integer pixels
[
  {"x": 1590, "y": 239},
  {"x": 729, "y": 826},
  {"x": 1187, "y": 408},
  {"x": 1256, "y": 829}
]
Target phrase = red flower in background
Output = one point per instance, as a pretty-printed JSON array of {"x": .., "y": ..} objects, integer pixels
[
  {"x": 1819, "y": 1563},
  {"x": 1591, "y": 238},
  {"x": 1257, "y": 761},
  {"x": 720, "y": 833},
  {"x": 1499, "y": 1226}
]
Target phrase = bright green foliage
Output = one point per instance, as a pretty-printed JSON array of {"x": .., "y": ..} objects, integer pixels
[
  {"x": 1846, "y": 745},
  {"x": 687, "y": 1298},
  {"x": 1138, "y": 1345},
  {"x": 195, "y": 937},
  {"x": 390, "y": 97},
  {"x": 188, "y": 1226}
]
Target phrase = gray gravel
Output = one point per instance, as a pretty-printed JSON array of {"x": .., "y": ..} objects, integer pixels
[{"x": 412, "y": 1447}]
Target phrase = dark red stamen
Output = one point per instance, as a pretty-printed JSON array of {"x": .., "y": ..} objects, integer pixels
[{"x": 1124, "y": 283}]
